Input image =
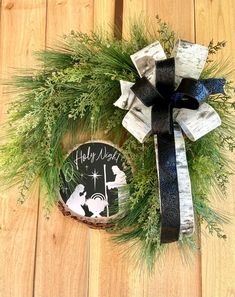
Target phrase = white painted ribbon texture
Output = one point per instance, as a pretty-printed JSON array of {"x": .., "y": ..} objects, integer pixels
[{"x": 189, "y": 62}]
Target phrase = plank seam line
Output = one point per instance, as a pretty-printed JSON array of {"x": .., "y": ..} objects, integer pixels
[
  {"x": 46, "y": 25},
  {"x": 39, "y": 192},
  {"x": 88, "y": 264},
  {"x": 36, "y": 243},
  {"x": 118, "y": 19}
]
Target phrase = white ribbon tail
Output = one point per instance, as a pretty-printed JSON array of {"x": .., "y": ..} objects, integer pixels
[{"x": 187, "y": 221}]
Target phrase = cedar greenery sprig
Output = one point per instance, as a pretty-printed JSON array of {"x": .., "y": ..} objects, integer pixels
[
  {"x": 167, "y": 37},
  {"x": 214, "y": 48},
  {"x": 73, "y": 93}
]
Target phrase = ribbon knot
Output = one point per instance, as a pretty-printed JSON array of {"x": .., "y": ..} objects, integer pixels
[
  {"x": 190, "y": 94},
  {"x": 169, "y": 97}
]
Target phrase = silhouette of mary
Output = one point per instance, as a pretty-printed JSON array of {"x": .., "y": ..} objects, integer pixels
[{"x": 77, "y": 199}]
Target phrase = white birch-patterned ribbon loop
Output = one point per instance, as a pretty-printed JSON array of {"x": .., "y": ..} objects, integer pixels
[{"x": 189, "y": 63}]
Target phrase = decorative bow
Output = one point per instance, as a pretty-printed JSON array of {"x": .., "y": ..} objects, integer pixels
[{"x": 151, "y": 102}]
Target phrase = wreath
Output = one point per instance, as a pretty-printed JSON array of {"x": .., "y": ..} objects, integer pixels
[{"x": 75, "y": 97}]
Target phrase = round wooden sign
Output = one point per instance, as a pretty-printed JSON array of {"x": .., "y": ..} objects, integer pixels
[{"x": 94, "y": 182}]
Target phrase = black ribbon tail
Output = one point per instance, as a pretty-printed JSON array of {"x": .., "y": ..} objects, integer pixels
[
  {"x": 162, "y": 126},
  {"x": 161, "y": 120},
  {"x": 168, "y": 187}
]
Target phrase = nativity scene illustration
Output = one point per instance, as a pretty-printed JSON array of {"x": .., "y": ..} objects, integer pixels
[{"x": 98, "y": 202}]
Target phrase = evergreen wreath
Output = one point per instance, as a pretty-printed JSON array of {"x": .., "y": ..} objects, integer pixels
[{"x": 72, "y": 95}]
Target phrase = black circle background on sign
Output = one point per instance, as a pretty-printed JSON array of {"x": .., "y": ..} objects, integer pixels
[{"x": 83, "y": 168}]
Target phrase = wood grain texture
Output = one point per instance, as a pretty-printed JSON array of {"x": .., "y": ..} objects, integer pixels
[
  {"x": 108, "y": 270},
  {"x": 178, "y": 13},
  {"x": 71, "y": 259},
  {"x": 62, "y": 255},
  {"x": 17, "y": 248},
  {"x": 215, "y": 19},
  {"x": 66, "y": 15},
  {"x": 22, "y": 31},
  {"x": 187, "y": 276},
  {"x": 104, "y": 14}
]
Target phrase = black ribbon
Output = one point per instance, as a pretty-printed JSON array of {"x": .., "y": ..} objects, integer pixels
[{"x": 163, "y": 98}]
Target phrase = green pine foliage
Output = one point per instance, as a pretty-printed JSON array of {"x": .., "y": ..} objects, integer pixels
[{"x": 73, "y": 93}]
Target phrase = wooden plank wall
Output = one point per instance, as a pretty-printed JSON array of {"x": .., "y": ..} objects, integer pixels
[
  {"x": 216, "y": 19},
  {"x": 62, "y": 258}
]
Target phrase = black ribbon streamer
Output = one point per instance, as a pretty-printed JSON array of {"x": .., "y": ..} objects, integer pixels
[{"x": 163, "y": 98}]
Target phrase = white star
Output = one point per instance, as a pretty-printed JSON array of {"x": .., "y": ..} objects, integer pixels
[
  {"x": 65, "y": 190},
  {"x": 95, "y": 175}
]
